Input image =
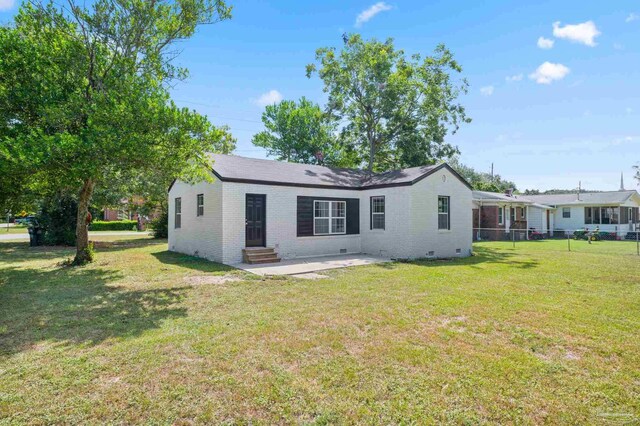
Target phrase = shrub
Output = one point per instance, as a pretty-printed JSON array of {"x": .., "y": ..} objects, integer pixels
[
  {"x": 115, "y": 225},
  {"x": 58, "y": 218},
  {"x": 160, "y": 224}
]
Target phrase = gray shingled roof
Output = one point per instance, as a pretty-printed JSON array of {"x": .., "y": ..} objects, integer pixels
[
  {"x": 497, "y": 196},
  {"x": 243, "y": 169},
  {"x": 613, "y": 197}
]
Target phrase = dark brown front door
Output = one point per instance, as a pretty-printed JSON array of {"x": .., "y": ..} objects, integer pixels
[{"x": 256, "y": 220}]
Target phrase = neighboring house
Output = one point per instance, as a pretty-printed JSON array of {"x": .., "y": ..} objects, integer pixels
[
  {"x": 615, "y": 212},
  {"x": 496, "y": 214},
  {"x": 301, "y": 210}
]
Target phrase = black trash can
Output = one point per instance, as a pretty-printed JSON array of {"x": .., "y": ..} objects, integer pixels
[{"x": 36, "y": 236}]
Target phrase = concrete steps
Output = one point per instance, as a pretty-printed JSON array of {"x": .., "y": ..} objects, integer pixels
[{"x": 255, "y": 255}]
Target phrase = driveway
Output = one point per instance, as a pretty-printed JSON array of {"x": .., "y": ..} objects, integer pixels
[
  {"x": 311, "y": 264},
  {"x": 25, "y": 236}
]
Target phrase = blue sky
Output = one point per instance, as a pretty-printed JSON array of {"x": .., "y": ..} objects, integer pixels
[{"x": 576, "y": 119}]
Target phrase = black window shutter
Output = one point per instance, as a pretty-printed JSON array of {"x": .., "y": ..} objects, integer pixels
[
  {"x": 370, "y": 212},
  {"x": 353, "y": 216},
  {"x": 305, "y": 216}
]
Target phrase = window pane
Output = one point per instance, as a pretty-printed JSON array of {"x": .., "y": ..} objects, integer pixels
[
  {"x": 443, "y": 205},
  {"x": 378, "y": 205},
  {"x": 322, "y": 226},
  {"x": 337, "y": 226},
  {"x": 338, "y": 209},
  {"x": 378, "y": 221},
  {"x": 322, "y": 209},
  {"x": 443, "y": 221},
  {"x": 588, "y": 218}
]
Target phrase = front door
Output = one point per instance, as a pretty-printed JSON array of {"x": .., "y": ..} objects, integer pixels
[{"x": 256, "y": 220}]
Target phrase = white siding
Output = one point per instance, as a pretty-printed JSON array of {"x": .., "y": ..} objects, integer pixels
[
  {"x": 281, "y": 217},
  {"x": 537, "y": 218},
  {"x": 424, "y": 217},
  {"x": 411, "y": 221},
  {"x": 199, "y": 235}
]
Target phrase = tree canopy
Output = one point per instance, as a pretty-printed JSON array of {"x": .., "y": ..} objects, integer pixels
[
  {"x": 84, "y": 99},
  {"x": 301, "y": 132},
  {"x": 396, "y": 110},
  {"x": 481, "y": 181}
]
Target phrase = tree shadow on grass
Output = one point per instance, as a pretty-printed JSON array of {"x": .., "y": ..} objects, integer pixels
[
  {"x": 191, "y": 262},
  {"x": 482, "y": 255},
  {"x": 77, "y": 306}
]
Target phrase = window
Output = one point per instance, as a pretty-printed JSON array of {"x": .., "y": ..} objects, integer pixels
[
  {"x": 523, "y": 212},
  {"x": 512, "y": 214},
  {"x": 444, "y": 221},
  {"x": 609, "y": 215},
  {"x": 329, "y": 217},
  {"x": 377, "y": 212},
  {"x": 200, "y": 205},
  {"x": 566, "y": 212},
  {"x": 500, "y": 215},
  {"x": 588, "y": 215},
  {"x": 178, "y": 213}
]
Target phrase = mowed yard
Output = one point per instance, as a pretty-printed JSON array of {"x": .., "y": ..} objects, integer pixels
[{"x": 527, "y": 336}]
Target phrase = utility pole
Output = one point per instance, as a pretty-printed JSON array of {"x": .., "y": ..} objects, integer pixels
[{"x": 491, "y": 171}]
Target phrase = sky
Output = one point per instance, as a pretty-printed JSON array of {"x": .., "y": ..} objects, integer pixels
[{"x": 554, "y": 86}]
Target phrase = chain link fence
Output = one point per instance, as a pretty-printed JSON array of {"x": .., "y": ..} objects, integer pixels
[{"x": 591, "y": 240}]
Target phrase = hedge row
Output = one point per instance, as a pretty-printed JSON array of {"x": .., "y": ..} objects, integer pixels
[{"x": 115, "y": 225}]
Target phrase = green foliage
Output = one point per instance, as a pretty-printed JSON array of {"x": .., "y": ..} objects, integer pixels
[
  {"x": 299, "y": 131},
  {"x": 84, "y": 100},
  {"x": 57, "y": 216},
  {"x": 398, "y": 109},
  {"x": 114, "y": 225},
  {"x": 481, "y": 181},
  {"x": 160, "y": 224}
]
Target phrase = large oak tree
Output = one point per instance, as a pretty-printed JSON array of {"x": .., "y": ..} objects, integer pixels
[
  {"x": 84, "y": 98},
  {"x": 396, "y": 110}
]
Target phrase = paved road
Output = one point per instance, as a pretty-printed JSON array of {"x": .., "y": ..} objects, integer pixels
[{"x": 25, "y": 236}]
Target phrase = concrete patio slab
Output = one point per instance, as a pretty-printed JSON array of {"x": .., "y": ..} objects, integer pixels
[{"x": 311, "y": 264}]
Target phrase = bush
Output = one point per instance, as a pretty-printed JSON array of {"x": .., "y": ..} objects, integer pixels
[
  {"x": 58, "y": 218},
  {"x": 115, "y": 225},
  {"x": 160, "y": 224}
]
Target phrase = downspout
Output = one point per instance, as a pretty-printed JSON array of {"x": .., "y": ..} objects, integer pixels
[{"x": 526, "y": 213}]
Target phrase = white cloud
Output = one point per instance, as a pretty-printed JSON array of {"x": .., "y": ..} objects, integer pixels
[
  {"x": 632, "y": 17},
  {"x": 618, "y": 46},
  {"x": 512, "y": 78},
  {"x": 548, "y": 72},
  {"x": 6, "y": 4},
  {"x": 372, "y": 11},
  {"x": 629, "y": 110},
  {"x": 487, "y": 90},
  {"x": 584, "y": 33},
  {"x": 269, "y": 98},
  {"x": 545, "y": 43}
]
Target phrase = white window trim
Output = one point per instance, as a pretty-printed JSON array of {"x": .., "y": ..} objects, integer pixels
[
  {"x": 198, "y": 205},
  {"x": 501, "y": 216},
  {"x": 383, "y": 214},
  {"x": 448, "y": 213},
  {"x": 566, "y": 217},
  {"x": 177, "y": 214},
  {"x": 330, "y": 217}
]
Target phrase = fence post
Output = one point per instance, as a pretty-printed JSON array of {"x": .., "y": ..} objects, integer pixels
[
  {"x": 638, "y": 239},
  {"x": 513, "y": 237},
  {"x": 569, "y": 241}
]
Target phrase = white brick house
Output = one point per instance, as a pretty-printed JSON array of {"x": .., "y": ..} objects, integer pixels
[{"x": 305, "y": 210}]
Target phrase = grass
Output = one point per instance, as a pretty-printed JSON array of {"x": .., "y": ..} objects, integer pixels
[
  {"x": 528, "y": 335},
  {"x": 18, "y": 229}
]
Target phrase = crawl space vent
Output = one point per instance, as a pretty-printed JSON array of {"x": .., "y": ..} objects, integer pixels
[
  {"x": 431, "y": 253},
  {"x": 342, "y": 251},
  {"x": 458, "y": 251}
]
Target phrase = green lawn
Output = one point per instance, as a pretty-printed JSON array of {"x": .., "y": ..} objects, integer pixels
[
  {"x": 527, "y": 336},
  {"x": 12, "y": 229}
]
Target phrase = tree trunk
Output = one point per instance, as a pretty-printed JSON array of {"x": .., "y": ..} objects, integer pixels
[
  {"x": 372, "y": 154},
  {"x": 82, "y": 229}
]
